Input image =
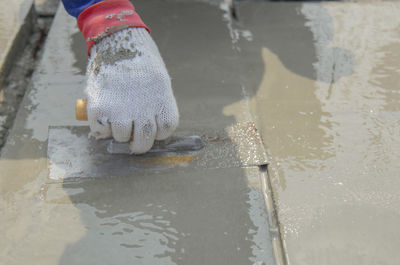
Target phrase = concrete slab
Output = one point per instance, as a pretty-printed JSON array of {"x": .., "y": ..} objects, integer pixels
[
  {"x": 46, "y": 7},
  {"x": 326, "y": 94},
  {"x": 16, "y": 25},
  {"x": 172, "y": 216}
]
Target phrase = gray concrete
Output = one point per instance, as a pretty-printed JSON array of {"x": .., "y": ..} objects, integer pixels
[
  {"x": 179, "y": 215},
  {"x": 16, "y": 25},
  {"x": 326, "y": 85},
  {"x": 46, "y": 7}
]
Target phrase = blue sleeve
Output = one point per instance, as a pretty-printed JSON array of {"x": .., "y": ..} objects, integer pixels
[{"x": 75, "y": 7}]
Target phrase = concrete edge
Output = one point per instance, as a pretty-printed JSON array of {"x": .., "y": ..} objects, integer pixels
[
  {"x": 278, "y": 246},
  {"x": 21, "y": 39}
]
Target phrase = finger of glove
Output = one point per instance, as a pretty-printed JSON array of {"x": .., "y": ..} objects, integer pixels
[
  {"x": 121, "y": 130},
  {"x": 167, "y": 122},
  {"x": 99, "y": 127},
  {"x": 143, "y": 136}
]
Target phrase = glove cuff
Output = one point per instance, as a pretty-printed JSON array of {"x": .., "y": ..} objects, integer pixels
[{"x": 107, "y": 17}]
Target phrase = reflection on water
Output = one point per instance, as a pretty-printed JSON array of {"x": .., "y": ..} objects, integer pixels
[
  {"x": 203, "y": 217},
  {"x": 316, "y": 127},
  {"x": 143, "y": 236},
  {"x": 128, "y": 224},
  {"x": 362, "y": 106}
]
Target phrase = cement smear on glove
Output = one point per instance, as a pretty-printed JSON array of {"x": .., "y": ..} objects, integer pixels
[
  {"x": 108, "y": 31},
  {"x": 110, "y": 50}
]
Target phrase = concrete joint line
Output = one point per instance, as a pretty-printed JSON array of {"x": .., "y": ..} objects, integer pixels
[{"x": 278, "y": 247}]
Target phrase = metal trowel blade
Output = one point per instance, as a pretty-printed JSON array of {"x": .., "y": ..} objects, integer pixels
[
  {"x": 172, "y": 144},
  {"x": 71, "y": 153}
]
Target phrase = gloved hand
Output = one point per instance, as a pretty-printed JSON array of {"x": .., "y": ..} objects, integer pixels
[{"x": 129, "y": 91}]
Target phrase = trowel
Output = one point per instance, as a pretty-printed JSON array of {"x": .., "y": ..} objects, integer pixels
[
  {"x": 171, "y": 144},
  {"x": 71, "y": 153}
]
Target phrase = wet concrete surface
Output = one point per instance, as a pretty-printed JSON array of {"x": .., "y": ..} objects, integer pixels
[
  {"x": 178, "y": 215},
  {"x": 320, "y": 83},
  {"x": 327, "y": 102},
  {"x": 173, "y": 218}
]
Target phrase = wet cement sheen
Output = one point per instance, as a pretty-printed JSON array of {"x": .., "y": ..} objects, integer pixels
[{"x": 327, "y": 101}]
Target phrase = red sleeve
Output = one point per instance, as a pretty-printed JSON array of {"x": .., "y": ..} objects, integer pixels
[{"x": 104, "y": 18}]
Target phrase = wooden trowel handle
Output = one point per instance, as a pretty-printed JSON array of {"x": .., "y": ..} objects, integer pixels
[{"x": 80, "y": 110}]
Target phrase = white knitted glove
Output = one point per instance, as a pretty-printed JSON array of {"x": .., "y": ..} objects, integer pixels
[{"x": 129, "y": 91}]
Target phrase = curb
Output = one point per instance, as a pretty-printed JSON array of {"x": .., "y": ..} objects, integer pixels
[{"x": 18, "y": 42}]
